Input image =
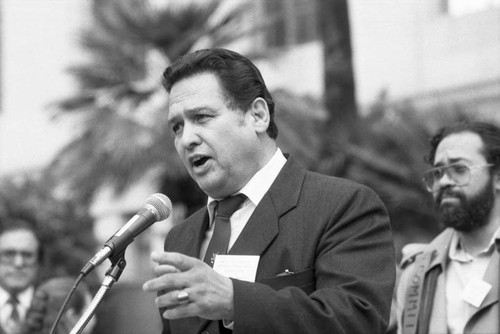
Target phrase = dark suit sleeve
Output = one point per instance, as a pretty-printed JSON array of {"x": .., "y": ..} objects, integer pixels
[{"x": 349, "y": 285}]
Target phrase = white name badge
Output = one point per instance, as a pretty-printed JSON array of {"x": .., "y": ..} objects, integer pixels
[
  {"x": 475, "y": 292},
  {"x": 242, "y": 267}
]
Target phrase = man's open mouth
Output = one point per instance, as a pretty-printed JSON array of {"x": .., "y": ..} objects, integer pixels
[{"x": 199, "y": 161}]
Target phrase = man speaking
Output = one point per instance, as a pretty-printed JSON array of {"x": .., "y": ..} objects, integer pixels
[{"x": 277, "y": 249}]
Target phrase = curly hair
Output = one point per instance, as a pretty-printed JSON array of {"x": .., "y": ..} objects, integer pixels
[{"x": 489, "y": 134}]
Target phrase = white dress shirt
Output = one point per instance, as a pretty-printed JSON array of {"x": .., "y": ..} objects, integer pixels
[
  {"x": 463, "y": 273},
  {"x": 254, "y": 190},
  {"x": 24, "y": 298}
]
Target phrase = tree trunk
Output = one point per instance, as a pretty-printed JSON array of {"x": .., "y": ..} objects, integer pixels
[
  {"x": 339, "y": 77},
  {"x": 339, "y": 97}
]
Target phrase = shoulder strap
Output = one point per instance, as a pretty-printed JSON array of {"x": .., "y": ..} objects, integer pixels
[
  {"x": 415, "y": 296},
  {"x": 427, "y": 303}
]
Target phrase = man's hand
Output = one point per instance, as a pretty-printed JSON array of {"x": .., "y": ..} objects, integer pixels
[{"x": 210, "y": 294}]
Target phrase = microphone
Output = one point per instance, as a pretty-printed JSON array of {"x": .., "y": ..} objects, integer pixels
[{"x": 157, "y": 207}]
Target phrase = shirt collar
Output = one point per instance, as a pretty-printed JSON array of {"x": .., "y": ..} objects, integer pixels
[
  {"x": 457, "y": 253},
  {"x": 24, "y": 298},
  {"x": 260, "y": 183}
]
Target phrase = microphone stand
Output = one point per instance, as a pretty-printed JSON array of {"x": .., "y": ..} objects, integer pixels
[{"x": 118, "y": 264}]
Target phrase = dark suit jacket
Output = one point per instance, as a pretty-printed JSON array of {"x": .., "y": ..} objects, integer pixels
[{"x": 333, "y": 234}]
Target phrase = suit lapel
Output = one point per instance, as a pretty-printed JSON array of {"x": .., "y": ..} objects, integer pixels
[
  {"x": 263, "y": 226},
  {"x": 259, "y": 232},
  {"x": 189, "y": 243},
  {"x": 491, "y": 276}
]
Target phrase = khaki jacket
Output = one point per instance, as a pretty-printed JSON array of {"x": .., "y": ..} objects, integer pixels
[{"x": 484, "y": 320}]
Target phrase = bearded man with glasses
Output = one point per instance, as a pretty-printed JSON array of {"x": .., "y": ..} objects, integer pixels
[{"x": 451, "y": 285}]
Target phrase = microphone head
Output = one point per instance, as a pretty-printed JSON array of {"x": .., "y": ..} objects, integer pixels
[{"x": 160, "y": 205}]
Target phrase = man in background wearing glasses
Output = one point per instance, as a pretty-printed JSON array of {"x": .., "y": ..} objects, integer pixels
[
  {"x": 20, "y": 257},
  {"x": 451, "y": 285}
]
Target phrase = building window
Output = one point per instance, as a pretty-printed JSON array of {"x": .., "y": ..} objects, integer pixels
[
  {"x": 464, "y": 7},
  {"x": 290, "y": 22}
]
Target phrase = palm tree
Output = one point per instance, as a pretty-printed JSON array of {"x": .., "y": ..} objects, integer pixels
[
  {"x": 335, "y": 34},
  {"x": 339, "y": 96},
  {"x": 122, "y": 136}
]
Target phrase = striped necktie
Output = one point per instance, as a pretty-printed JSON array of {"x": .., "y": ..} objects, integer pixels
[
  {"x": 14, "y": 302},
  {"x": 13, "y": 323},
  {"x": 222, "y": 227}
]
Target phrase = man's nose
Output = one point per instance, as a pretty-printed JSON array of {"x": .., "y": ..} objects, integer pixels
[
  {"x": 189, "y": 136},
  {"x": 19, "y": 260},
  {"x": 445, "y": 180}
]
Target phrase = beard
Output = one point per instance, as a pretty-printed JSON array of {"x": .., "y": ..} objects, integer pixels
[{"x": 470, "y": 214}]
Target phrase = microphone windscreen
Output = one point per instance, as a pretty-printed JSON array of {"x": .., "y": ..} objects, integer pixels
[{"x": 160, "y": 205}]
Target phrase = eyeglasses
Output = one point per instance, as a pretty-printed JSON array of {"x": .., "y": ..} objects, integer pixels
[
  {"x": 458, "y": 172},
  {"x": 8, "y": 256}
]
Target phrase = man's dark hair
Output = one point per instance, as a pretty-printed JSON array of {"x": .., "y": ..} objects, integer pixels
[
  {"x": 489, "y": 133},
  {"x": 22, "y": 225},
  {"x": 238, "y": 76}
]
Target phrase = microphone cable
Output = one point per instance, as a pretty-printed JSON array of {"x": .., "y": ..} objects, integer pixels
[{"x": 65, "y": 303}]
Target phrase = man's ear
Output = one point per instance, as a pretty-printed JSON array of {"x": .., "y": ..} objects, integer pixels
[{"x": 260, "y": 116}]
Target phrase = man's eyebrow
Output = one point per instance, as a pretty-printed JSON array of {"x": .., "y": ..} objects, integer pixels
[
  {"x": 170, "y": 120},
  {"x": 452, "y": 161},
  {"x": 198, "y": 109}
]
